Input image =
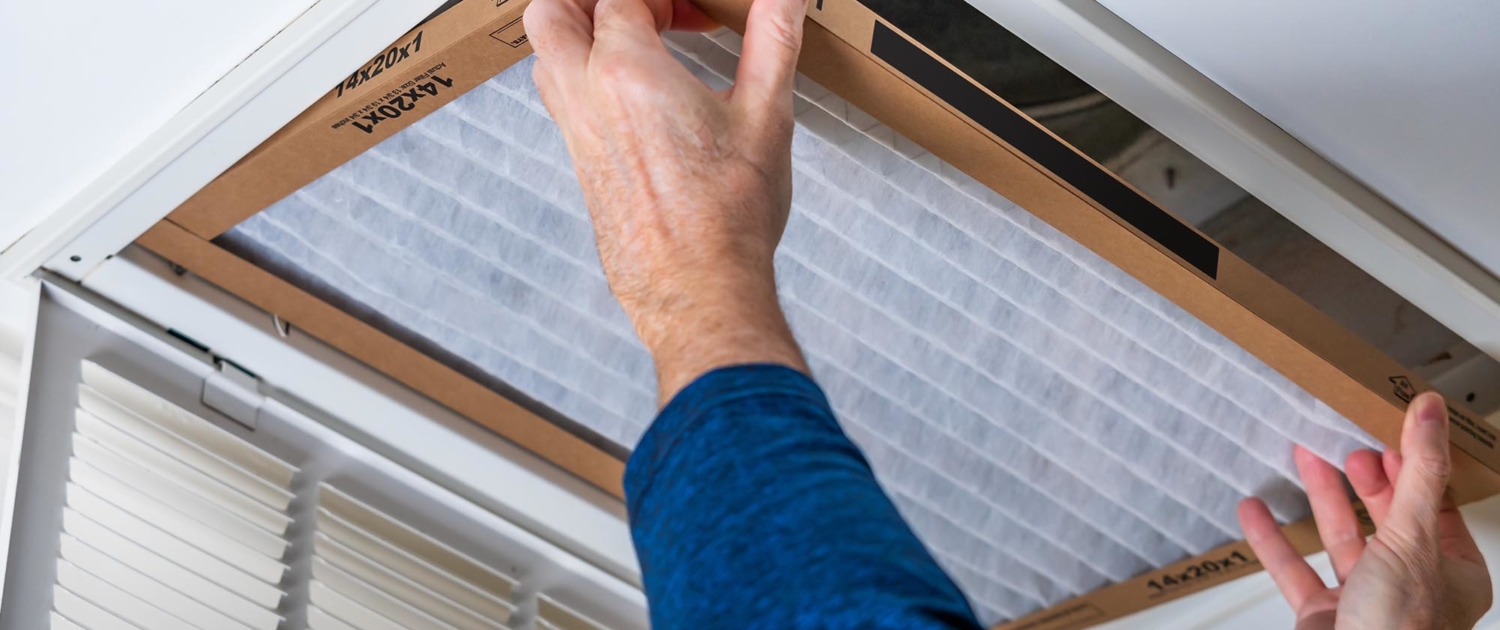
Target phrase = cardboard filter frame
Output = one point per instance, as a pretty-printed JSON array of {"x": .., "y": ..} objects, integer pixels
[{"x": 878, "y": 68}]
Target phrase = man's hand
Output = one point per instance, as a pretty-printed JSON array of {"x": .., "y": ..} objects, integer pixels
[
  {"x": 689, "y": 188},
  {"x": 1421, "y": 570}
]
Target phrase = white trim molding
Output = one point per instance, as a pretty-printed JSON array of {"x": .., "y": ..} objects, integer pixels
[{"x": 1186, "y": 106}]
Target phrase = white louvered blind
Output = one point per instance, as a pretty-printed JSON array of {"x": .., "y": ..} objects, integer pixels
[
  {"x": 170, "y": 522},
  {"x": 553, "y": 615},
  {"x": 373, "y": 571},
  {"x": 1047, "y": 424}
]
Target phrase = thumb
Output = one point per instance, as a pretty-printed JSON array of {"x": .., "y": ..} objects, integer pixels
[
  {"x": 1424, "y": 470},
  {"x": 768, "y": 63}
]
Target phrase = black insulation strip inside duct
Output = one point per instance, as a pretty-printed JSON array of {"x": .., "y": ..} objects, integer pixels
[
  {"x": 1049, "y": 152},
  {"x": 440, "y": 10}
]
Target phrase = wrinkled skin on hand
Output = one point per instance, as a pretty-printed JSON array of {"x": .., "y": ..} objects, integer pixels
[
  {"x": 688, "y": 187},
  {"x": 1420, "y": 571}
]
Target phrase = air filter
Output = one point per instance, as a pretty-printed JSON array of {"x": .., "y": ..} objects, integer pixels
[{"x": 1047, "y": 424}]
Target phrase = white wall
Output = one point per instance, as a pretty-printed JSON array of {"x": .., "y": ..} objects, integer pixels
[{"x": 1400, "y": 94}]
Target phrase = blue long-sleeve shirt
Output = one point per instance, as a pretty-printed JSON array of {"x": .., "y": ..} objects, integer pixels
[{"x": 750, "y": 508}]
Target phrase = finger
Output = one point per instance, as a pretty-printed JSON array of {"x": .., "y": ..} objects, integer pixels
[
  {"x": 686, "y": 16},
  {"x": 1391, "y": 461},
  {"x": 1454, "y": 537},
  {"x": 562, "y": 33},
  {"x": 542, "y": 77},
  {"x": 1424, "y": 472},
  {"x": 768, "y": 61},
  {"x": 1367, "y": 474},
  {"x": 1334, "y": 514},
  {"x": 630, "y": 26},
  {"x": 1287, "y": 568},
  {"x": 556, "y": 104}
]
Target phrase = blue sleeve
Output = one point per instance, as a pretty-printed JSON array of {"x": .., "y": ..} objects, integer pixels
[{"x": 750, "y": 508}]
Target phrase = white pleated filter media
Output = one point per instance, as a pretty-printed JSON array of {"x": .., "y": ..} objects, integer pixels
[{"x": 1047, "y": 424}]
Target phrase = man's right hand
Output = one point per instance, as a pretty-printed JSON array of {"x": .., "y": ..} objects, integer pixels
[
  {"x": 1420, "y": 571},
  {"x": 689, "y": 188}
]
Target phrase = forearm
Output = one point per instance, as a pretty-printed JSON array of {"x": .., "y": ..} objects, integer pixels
[
  {"x": 731, "y": 318},
  {"x": 750, "y": 508}
]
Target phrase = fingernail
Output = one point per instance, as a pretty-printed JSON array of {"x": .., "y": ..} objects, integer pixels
[{"x": 1430, "y": 408}]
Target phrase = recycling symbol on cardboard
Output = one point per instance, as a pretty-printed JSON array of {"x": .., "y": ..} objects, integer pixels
[{"x": 1404, "y": 389}]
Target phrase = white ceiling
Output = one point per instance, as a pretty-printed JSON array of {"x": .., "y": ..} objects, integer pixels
[
  {"x": 94, "y": 78},
  {"x": 1402, "y": 95}
]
